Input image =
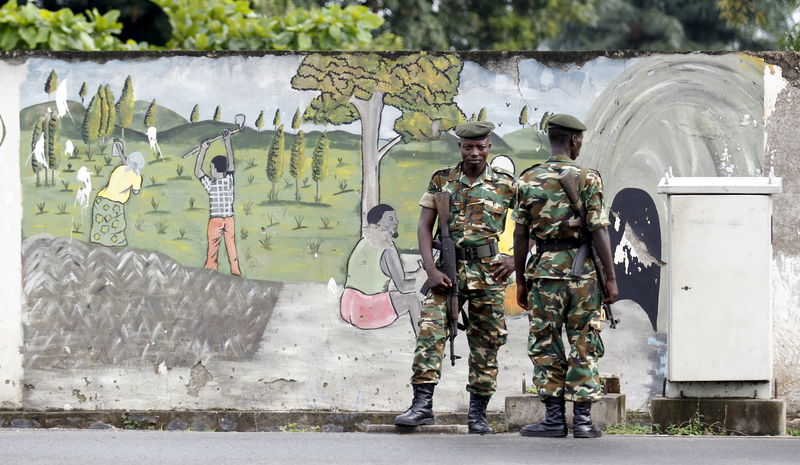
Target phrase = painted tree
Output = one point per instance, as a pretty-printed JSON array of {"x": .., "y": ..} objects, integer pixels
[
  {"x": 296, "y": 119},
  {"x": 195, "y": 114},
  {"x": 110, "y": 111},
  {"x": 51, "y": 84},
  {"x": 90, "y": 130},
  {"x": 51, "y": 146},
  {"x": 151, "y": 116},
  {"x": 125, "y": 106},
  {"x": 319, "y": 162},
  {"x": 217, "y": 113},
  {"x": 482, "y": 114},
  {"x": 102, "y": 96},
  {"x": 82, "y": 92},
  {"x": 275, "y": 161},
  {"x": 297, "y": 162},
  {"x": 276, "y": 120},
  {"x": 523, "y": 116},
  {"x": 260, "y": 121},
  {"x": 38, "y": 132},
  {"x": 354, "y": 87}
]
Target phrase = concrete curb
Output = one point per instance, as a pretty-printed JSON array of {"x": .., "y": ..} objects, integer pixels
[
  {"x": 429, "y": 429},
  {"x": 527, "y": 409},
  {"x": 221, "y": 420}
]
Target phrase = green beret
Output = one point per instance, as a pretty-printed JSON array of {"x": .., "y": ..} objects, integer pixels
[
  {"x": 566, "y": 121},
  {"x": 477, "y": 130}
]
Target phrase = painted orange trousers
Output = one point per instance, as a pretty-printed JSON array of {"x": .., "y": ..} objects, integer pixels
[{"x": 217, "y": 228}]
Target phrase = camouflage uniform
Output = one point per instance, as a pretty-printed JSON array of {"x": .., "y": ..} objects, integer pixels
[
  {"x": 477, "y": 217},
  {"x": 556, "y": 297}
]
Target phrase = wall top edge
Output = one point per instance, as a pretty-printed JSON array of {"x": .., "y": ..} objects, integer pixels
[{"x": 572, "y": 56}]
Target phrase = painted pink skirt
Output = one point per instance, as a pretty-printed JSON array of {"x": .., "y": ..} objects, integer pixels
[{"x": 367, "y": 311}]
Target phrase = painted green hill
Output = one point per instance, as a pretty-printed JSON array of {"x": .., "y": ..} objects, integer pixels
[
  {"x": 191, "y": 134},
  {"x": 527, "y": 140},
  {"x": 445, "y": 144},
  {"x": 166, "y": 118},
  {"x": 71, "y": 124}
]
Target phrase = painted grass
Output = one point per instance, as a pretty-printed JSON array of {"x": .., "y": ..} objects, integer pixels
[{"x": 279, "y": 240}]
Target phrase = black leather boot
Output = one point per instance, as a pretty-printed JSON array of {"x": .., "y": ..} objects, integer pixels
[
  {"x": 582, "y": 426},
  {"x": 554, "y": 424},
  {"x": 476, "y": 418},
  {"x": 421, "y": 410}
]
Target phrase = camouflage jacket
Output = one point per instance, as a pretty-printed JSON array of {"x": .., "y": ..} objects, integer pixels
[
  {"x": 477, "y": 214},
  {"x": 543, "y": 206}
]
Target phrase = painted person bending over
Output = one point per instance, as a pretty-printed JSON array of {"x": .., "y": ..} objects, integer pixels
[
  {"x": 479, "y": 199},
  {"x": 555, "y": 293},
  {"x": 108, "y": 210},
  {"x": 219, "y": 187}
]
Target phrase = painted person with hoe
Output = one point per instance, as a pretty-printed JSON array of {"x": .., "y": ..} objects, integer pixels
[
  {"x": 471, "y": 201},
  {"x": 219, "y": 187},
  {"x": 560, "y": 206}
]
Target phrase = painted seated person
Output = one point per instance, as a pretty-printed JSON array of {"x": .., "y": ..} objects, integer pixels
[{"x": 374, "y": 265}]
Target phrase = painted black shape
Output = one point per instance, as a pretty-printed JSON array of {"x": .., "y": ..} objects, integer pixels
[{"x": 641, "y": 284}]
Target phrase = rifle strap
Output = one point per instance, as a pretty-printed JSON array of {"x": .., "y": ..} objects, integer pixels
[{"x": 581, "y": 185}]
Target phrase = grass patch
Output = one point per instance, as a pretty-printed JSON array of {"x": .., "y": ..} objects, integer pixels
[
  {"x": 629, "y": 428},
  {"x": 297, "y": 428}
]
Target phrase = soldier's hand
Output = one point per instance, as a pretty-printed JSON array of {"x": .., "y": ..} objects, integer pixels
[
  {"x": 204, "y": 144},
  {"x": 226, "y": 134},
  {"x": 611, "y": 291},
  {"x": 505, "y": 266},
  {"x": 439, "y": 282},
  {"x": 522, "y": 295}
]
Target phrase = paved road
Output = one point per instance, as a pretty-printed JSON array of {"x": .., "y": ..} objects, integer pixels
[{"x": 87, "y": 447}]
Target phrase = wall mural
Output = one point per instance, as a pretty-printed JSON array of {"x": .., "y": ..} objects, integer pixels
[{"x": 171, "y": 205}]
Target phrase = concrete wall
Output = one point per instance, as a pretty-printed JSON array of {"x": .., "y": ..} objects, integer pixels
[{"x": 86, "y": 323}]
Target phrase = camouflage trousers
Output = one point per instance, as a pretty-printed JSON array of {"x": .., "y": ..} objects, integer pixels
[
  {"x": 485, "y": 335},
  {"x": 574, "y": 304}
]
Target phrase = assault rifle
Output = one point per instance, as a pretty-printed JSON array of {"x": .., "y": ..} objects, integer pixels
[
  {"x": 569, "y": 183},
  {"x": 448, "y": 260}
]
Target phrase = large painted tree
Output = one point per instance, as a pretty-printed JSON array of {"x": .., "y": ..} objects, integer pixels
[{"x": 358, "y": 87}]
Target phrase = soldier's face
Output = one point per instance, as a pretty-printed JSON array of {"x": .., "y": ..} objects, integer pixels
[
  {"x": 576, "y": 142},
  {"x": 474, "y": 152}
]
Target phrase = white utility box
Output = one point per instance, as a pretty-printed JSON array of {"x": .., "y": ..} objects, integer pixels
[{"x": 720, "y": 256}]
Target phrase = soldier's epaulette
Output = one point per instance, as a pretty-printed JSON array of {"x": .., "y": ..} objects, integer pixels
[
  {"x": 503, "y": 172},
  {"x": 444, "y": 172},
  {"x": 530, "y": 168}
]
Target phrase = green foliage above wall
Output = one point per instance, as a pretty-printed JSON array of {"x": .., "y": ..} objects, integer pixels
[
  {"x": 233, "y": 25},
  {"x": 27, "y": 27},
  {"x": 197, "y": 25}
]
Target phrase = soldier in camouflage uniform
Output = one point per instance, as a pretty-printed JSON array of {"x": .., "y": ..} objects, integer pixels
[
  {"x": 479, "y": 199},
  {"x": 553, "y": 295}
]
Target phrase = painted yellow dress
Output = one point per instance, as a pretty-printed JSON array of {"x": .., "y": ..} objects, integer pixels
[{"x": 108, "y": 209}]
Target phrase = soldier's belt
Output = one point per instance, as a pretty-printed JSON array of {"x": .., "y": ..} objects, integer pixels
[
  {"x": 550, "y": 245},
  {"x": 477, "y": 252}
]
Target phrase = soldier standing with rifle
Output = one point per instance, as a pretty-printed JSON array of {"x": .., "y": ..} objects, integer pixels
[
  {"x": 472, "y": 201},
  {"x": 562, "y": 287}
]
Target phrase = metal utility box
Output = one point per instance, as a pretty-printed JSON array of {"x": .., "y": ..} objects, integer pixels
[{"x": 720, "y": 255}]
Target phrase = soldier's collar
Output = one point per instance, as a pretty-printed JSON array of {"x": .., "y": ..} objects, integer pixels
[
  {"x": 561, "y": 157},
  {"x": 487, "y": 174}
]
